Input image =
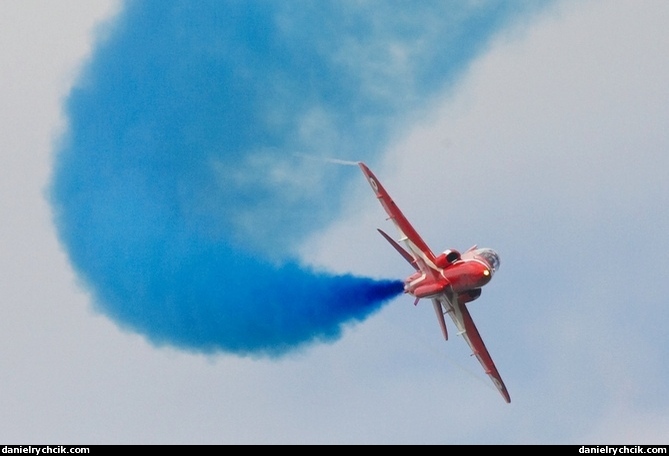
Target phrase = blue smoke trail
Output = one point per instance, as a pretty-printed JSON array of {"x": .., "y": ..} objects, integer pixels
[{"x": 177, "y": 192}]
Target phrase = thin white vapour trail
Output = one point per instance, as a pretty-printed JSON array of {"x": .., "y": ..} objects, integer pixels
[{"x": 336, "y": 161}]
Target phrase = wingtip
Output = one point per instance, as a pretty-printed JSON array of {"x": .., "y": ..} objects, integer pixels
[
  {"x": 505, "y": 395},
  {"x": 503, "y": 391}
]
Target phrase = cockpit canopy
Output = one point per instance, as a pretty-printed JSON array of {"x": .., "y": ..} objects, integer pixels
[{"x": 490, "y": 257}]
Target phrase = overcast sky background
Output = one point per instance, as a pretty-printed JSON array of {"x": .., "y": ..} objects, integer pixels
[{"x": 551, "y": 149}]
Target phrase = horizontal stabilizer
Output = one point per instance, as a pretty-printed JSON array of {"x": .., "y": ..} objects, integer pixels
[{"x": 406, "y": 255}]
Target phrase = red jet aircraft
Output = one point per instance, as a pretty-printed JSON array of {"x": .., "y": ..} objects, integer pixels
[{"x": 449, "y": 279}]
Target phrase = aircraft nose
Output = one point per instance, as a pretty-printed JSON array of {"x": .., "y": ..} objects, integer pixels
[
  {"x": 491, "y": 258},
  {"x": 486, "y": 275}
]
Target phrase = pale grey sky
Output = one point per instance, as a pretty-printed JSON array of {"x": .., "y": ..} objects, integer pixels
[{"x": 551, "y": 149}]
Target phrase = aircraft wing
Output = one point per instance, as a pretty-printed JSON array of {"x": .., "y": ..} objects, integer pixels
[
  {"x": 467, "y": 329},
  {"x": 419, "y": 255},
  {"x": 424, "y": 258}
]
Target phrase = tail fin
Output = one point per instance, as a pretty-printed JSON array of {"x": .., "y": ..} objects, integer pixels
[{"x": 440, "y": 317}]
